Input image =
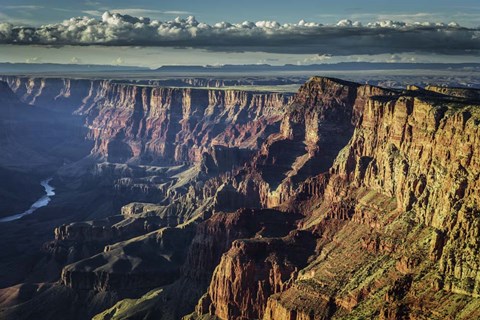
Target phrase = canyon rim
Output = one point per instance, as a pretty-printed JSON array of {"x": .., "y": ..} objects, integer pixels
[{"x": 159, "y": 164}]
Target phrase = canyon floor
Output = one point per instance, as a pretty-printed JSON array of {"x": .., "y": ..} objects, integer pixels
[{"x": 197, "y": 198}]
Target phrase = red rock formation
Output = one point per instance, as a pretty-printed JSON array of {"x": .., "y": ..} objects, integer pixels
[
  {"x": 317, "y": 124},
  {"x": 158, "y": 125},
  {"x": 251, "y": 271},
  {"x": 396, "y": 181},
  {"x": 215, "y": 236},
  {"x": 179, "y": 124}
]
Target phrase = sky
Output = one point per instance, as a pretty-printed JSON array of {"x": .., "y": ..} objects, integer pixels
[{"x": 238, "y": 32}]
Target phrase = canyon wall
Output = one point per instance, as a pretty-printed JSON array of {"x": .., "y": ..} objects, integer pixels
[
  {"x": 148, "y": 124},
  {"x": 396, "y": 218},
  {"x": 345, "y": 201}
]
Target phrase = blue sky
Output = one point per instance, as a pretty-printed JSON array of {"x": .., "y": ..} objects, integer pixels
[
  {"x": 465, "y": 12},
  {"x": 113, "y": 38}
]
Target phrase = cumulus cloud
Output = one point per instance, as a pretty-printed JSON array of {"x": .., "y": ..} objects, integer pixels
[
  {"x": 319, "y": 58},
  {"x": 119, "y": 61},
  {"x": 343, "y": 38},
  {"x": 75, "y": 60},
  {"x": 33, "y": 60},
  {"x": 5, "y": 32}
]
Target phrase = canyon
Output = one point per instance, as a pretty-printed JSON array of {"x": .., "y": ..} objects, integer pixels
[{"x": 340, "y": 201}]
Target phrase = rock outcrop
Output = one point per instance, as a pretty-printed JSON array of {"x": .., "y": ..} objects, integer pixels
[
  {"x": 315, "y": 127},
  {"x": 178, "y": 125},
  {"x": 397, "y": 209},
  {"x": 251, "y": 271},
  {"x": 140, "y": 263}
]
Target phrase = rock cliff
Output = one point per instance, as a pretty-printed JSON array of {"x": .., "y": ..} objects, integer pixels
[
  {"x": 346, "y": 201},
  {"x": 179, "y": 125},
  {"x": 396, "y": 214},
  {"x": 251, "y": 271},
  {"x": 151, "y": 124}
]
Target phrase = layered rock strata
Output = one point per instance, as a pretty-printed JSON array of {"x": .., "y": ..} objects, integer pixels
[
  {"x": 397, "y": 211},
  {"x": 148, "y": 124},
  {"x": 363, "y": 203}
]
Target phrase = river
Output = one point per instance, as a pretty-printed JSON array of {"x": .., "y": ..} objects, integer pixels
[{"x": 42, "y": 202}]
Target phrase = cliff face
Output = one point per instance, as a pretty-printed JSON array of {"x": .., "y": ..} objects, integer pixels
[
  {"x": 315, "y": 127},
  {"x": 471, "y": 94},
  {"x": 147, "y": 124},
  {"x": 396, "y": 216},
  {"x": 26, "y": 132},
  {"x": 403, "y": 150},
  {"x": 251, "y": 271},
  {"x": 213, "y": 238},
  {"x": 179, "y": 125},
  {"x": 412, "y": 198},
  {"x": 58, "y": 94}
]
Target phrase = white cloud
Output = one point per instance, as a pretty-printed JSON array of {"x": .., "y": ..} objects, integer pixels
[
  {"x": 33, "y": 60},
  {"x": 470, "y": 18},
  {"x": 5, "y": 31},
  {"x": 180, "y": 13},
  {"x": 343, "y": 38},
  {"x": 119, "y": 61},
  {"x": 140, "y": 12},
  {"x": 319, "y": 58}
]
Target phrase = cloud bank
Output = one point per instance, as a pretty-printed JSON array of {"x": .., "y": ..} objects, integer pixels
[{"x": 344, "y": 38}]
